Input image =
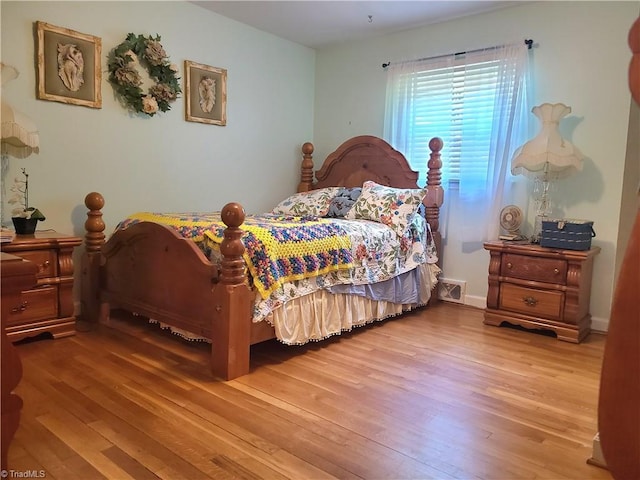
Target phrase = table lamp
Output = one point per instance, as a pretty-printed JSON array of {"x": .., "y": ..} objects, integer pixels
[{"x": 546, "y": 157}]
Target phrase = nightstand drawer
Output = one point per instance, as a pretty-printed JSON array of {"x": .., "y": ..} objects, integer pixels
[
  {"x": 530, "y": 301},
  {"x": 37, "y": 304},
  {"x": 45, "y": 260},
  {"x": 548, "y": 270}
]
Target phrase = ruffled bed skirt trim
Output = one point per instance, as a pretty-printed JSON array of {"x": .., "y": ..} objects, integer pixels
[{"x": 322, "y": 314}]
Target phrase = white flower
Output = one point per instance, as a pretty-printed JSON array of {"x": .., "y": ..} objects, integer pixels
[
  {"x": 19, "y": 212},
  {"x": 174, "y": 67},
  {"x": 149, "y": 105}
]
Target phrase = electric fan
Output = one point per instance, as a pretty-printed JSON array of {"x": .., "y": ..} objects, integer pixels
[{"x": 510, "y": 221}]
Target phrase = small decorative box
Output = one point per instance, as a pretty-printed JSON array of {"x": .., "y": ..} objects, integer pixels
[{"x": 569, "y": 234}]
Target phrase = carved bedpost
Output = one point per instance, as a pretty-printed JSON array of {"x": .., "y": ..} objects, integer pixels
[
  {"x": 434, "y": 182},
  {"x": 231, "y": 328},
  {"x": 92, "y": 258},
  {"x": 435, "y": 196},
  {"x": 306, "y": 174}
]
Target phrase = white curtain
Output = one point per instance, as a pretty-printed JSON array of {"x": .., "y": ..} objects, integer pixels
[{"x": 477, "y": 103}]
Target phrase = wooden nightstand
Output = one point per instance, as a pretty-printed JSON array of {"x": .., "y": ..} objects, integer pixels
[
  {"x": 540, "y": 288},
  {"x": 49, "y": 306}
]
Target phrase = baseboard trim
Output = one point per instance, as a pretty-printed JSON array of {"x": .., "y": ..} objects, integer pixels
[
  {"x": 475, "y": 301},
  {"x": 597, "y": 458},
  {"x": 600, "y": 325}
]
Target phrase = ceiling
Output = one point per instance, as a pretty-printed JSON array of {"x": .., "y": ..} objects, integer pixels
[{"x": 322, "y": 23}]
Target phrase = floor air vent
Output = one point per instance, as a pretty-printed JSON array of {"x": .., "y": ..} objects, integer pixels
[{"x": 451, "y": 290}]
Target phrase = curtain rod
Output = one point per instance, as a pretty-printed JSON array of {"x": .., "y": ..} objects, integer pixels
[{"x": 528, "y": 42}]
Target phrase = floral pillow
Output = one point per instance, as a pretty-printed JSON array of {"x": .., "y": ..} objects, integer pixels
[
  {"x": 394, "y": 207},
  {"x": 343, "y": 201},
  {"x": 314, "y": 203}
]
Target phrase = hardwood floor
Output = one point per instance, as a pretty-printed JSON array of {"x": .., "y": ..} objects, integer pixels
[{"x": 433, "y": 394}]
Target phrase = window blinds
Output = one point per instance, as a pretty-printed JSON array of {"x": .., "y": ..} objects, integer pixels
[{"x": 452, "y": 98}]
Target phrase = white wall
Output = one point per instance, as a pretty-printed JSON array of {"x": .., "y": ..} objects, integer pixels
[
  {"x": 162, "y": 163},
  {"x": 581, "y": 60}
]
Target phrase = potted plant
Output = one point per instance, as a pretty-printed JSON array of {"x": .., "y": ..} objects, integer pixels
[{"x": 24, "y": 217}]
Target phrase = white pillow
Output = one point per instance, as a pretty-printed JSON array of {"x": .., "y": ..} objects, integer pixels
[
  {"x": 394, "y": 207},
  {"x": 314, "y": 202}
]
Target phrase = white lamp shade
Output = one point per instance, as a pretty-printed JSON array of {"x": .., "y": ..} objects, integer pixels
[
  {"x": 19, "y": 135},
  {"x": 548, "y": 154}
]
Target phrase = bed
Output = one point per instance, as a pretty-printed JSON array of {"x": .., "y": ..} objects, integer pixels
[{"x": 152, "y": 269}]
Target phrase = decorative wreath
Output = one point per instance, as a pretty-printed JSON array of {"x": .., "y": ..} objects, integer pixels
[{"x": 126, "y": 80}]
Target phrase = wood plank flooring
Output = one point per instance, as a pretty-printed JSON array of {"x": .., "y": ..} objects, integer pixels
[{"x": 434, "y": 394}]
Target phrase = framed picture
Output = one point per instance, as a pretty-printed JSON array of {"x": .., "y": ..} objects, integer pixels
[
  {"x": 68, "y": 66},
  {"x": 206, "y": 93}
]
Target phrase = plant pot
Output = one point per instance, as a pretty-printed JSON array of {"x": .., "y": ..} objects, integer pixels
[{"x": 24, "y": 226}]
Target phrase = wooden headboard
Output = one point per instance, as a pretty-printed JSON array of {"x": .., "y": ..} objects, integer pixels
[{"x": 371, "y": 158}]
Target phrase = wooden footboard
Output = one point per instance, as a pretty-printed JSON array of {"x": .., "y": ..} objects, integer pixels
[{"x": 152, "y": 271}]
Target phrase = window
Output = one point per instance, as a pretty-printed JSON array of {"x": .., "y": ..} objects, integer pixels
[{"x": 476, "y": 103}]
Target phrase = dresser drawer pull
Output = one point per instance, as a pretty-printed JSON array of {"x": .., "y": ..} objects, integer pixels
[
  {"x": 530, "y": 301},
  {"x": 45, "y": 265},
  {"x": 509, "y": 265},
  {"x": 556, "y": 271},
  {"x": 23, "y": 306}
]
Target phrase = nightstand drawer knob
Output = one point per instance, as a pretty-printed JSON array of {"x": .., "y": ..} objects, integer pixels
[
  {"x": 532, "y": 302},
  {"x": 23, "y": 306},
  {"x": 556, "y": 271},
  {"x": 509, "y": 265}
]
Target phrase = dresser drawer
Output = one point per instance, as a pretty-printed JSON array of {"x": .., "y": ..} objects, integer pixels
[
  {"x": 37, "y": 304},
  {"x": 45, "y": 260},
  {"x": 548, "y": 270},
  {"x": 530, "y": 301}
]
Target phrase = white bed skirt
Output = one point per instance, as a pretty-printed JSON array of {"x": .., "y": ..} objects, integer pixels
[{"x": 322, "y": 314}]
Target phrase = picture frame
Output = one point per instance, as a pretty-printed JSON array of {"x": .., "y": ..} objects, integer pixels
[
  {"x": 205, "y": 93},
  {"x": 68, "y": 66}
]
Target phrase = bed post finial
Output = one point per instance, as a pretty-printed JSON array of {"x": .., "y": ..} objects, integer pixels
[
  {"x": 233, "y": 266},
  {"x": 306, "y": 174},
  {"x": 434, "y": 175},
  {"x": 94, "y": 225}
]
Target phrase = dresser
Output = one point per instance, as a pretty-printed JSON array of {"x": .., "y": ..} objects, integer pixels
[
  {"x": 48, "y": 307},
  {"x": 540, "y": 288},
  {"x": 17, "y": 275}
]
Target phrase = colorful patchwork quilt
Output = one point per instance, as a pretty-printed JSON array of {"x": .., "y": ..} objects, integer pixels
[{"x": 278, "y": 249}]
